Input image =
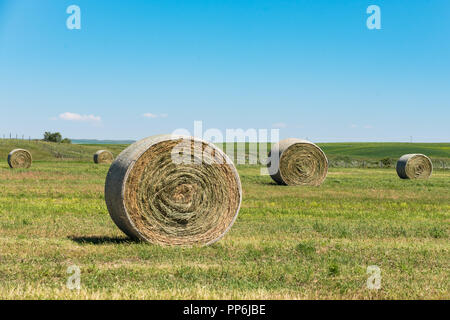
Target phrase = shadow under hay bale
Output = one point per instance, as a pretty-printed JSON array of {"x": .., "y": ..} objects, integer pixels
[{"x": 101, "y": 240}]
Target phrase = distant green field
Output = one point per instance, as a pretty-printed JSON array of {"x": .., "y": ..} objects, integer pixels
[
  {"x": 379, "y": 150},
  {"x": 47, "y": 151},
  {"x": 339, "y": 154}
]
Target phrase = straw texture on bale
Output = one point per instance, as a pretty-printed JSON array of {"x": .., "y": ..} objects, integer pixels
[
  {"x": 414, "y": 166},
  {"x": 19, "y": 158},
  {"x": 103, "y": 156},
  {"x": 150, "y": 197},
  {"x": 297, "y": 162}
]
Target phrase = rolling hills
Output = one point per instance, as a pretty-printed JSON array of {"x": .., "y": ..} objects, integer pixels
[{"x": 355, "y": 154}]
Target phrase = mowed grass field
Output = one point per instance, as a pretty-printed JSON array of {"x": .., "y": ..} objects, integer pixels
[{"x": 287, "y": 243}]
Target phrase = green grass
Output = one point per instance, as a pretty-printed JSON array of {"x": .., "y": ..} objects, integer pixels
[
  {"x": 371, "y": 153},
  {"x": 376, "y": 150},
  {"x": 48, "y": 151},
  {"x": 288, "y": 242}
]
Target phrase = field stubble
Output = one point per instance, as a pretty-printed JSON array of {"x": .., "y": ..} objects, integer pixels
[{"x": 288, "y": 242}]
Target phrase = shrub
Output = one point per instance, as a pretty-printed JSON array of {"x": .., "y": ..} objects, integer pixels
[{"x": 52, "y": 136}]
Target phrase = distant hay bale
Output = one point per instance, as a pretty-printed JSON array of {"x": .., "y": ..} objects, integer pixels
[
  {"x": 19, "y": 158},
  {"x": 103, "y": 156},
  {"x": 154, "y": 197},
  {"x": 297, "y": 162},
  {"x": 414, "y": 166}
]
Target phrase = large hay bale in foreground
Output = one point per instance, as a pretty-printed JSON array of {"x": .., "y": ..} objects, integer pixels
[
  {"x": 154, "y": 198},
  {"x": 20, "y": 158},
  {"x": 297, "y": 162},
  {"x": 414, "y": 166},
  {"x": 103, "y": 156}
]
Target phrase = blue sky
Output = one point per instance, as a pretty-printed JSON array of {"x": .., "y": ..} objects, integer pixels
[{"x": 311, "y": 68}]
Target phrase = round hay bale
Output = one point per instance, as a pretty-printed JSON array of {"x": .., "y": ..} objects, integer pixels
[
  {"x": 20, "y": 158},
  {"x": 103, "y": 156},
  {"x": 414, "y": 166},
  {"x": 297, "y": 162},
  {"x": 153, "y": 198}
]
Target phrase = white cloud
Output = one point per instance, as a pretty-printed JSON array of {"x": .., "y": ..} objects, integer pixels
[
  {"x": 69, "y": 116},
  {"x": 150, "y": 115},
  {"x": 279, "y": 125},
  {"x": 153, "y": 116}
]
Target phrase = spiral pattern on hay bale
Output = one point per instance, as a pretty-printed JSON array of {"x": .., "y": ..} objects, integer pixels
[
  {"x": 103, "y": 156},
  {"x": 297, "y": 162},
  {"x": 153, "y": 196},
  {"x": 414, "y": 166},
  {"x": 20, "y": 158}
]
